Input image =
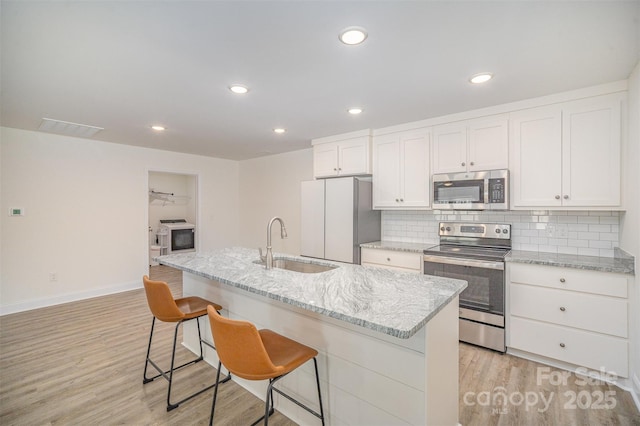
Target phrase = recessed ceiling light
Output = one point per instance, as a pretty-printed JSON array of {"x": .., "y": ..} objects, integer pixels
[
  {"x": 481, "y": 78},
  {"x": 353, "y": 35},
  {"x": 355, "y": 111},
  {"x": 279, "y": 130},
  {"x": 158, "y": 128},
  {"x": 238, "y": 89}
]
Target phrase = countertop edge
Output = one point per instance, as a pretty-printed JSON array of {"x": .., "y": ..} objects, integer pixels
[{"x": 616, "y": 265}]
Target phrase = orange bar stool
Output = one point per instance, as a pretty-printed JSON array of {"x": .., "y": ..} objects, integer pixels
[
  {"x": 258, "y": 355},
  {"x": 167, "y": 309}
]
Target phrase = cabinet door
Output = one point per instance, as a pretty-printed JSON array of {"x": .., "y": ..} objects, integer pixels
[
  {"x": 535, "y": 149},
  {"x": 414, "y": 169},
  {"x": 488, "y": 145},
  {"x": 338, "y": 229},
  {"x": 354, "y": 157},
  {"x": 325, "y": 160},
  {"x": 386, "y": 171},
  {"x": 450, "y": 149},
  {"x": 312, "y": 218},
  {"x": 591, "y": 152}
]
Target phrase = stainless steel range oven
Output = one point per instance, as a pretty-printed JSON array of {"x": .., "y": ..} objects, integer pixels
[{"x": 475, "y": 252}]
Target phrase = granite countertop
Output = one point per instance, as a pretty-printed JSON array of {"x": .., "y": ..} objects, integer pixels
[
  {"x": 398, "y": 246},
  {"x": 390, "y": 302},
  {"x": 622, "y": 263}
]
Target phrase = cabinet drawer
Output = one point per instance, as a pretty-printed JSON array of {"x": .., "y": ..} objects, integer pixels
[
  {"x": 570, "y": 345},
  {"x": 586, "y": 311},
  {"x": 392, "y": 258},
  {"x": 569, "y": 279}
]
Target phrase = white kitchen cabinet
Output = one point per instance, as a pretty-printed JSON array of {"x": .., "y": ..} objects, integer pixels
[
  {"x": 567, "y": 155},
  {"x": 471, "y": 145},
  {"x": 576, "y": 316},
  {"x": 401, "y": 170},
  {"x": 391, "y": 259},
  {"x": 342, "y": 155}
]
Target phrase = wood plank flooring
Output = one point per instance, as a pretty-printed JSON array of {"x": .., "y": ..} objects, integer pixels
[{"x": 81, "y": 364}]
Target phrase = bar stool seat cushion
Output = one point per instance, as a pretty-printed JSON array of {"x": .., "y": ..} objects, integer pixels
[
  {"x": 193, "y": 306},
  {"x": 286, "y": 354}
]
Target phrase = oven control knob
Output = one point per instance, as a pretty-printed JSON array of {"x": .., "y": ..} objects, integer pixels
[
  {"x": 448, "y": 228},
  {"x": 497, "y": 231},
  {"x": 505, "y": 231}
]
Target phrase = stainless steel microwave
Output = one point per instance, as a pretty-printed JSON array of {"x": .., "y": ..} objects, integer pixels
[{"x": 485, "y": 190}]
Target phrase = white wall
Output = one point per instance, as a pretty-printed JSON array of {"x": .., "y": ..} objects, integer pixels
[
  {"x": 270, "y": 186},
  {"x": 86, "y": 206},
  {"x": 630, "y": 221}
]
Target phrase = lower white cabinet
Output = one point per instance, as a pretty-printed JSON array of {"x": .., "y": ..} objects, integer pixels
[
  {"x": 575, "y": 316},
  {"x": 391, "y": 259}
]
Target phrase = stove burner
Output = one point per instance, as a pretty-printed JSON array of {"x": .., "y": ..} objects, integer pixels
[{"x": 486, "y": 241}]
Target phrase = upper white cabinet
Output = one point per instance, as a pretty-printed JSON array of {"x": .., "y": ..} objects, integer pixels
[
  {"x": 471, "y": 145},
  {"x": 401, "y": 170},
  {"x": 342, "y": 155},
  {"x": 567, "y": 155}
]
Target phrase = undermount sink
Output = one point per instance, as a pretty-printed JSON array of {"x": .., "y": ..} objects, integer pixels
[{"x": 297, "y": 266}]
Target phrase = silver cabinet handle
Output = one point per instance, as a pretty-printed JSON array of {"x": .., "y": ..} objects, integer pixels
[
  {"x": 557, "y": 197},
  {"x": 562, "y": 345},
  {"x": 566, "y": 197},
  {"x": 339, "y": 168},
  {"x": 388, "y": 259},
  {"x": 397, "y": 200},
  {"x": 562, "y": 308},
  {"x": 335, "y": 169},
  {"x": 401, "y": 200},
  {"x": 471, "y": 163},
  {"x": 562, "y": 280},
  {"x": 463, "y": 164}
]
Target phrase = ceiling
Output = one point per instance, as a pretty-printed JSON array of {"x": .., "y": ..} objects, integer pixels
[{"x": 128, "y": 65}]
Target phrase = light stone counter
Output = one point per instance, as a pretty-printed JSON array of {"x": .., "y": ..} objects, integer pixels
[
  {"x": 395, "y": 303},
  {"x": 622, "y": 263},
  {"x": 399, "y": 246}
]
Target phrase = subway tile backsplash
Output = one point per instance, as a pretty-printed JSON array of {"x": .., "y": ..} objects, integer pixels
[{"x": 590, "y": 233}]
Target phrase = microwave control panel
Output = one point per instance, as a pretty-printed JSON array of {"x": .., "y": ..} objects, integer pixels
[{"x": 497, "y": 191}]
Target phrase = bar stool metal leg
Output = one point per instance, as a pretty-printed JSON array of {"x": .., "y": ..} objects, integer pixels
[{"x": 168, "y": 374}]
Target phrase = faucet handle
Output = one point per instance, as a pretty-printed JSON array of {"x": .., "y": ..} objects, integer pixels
[{"x": 262, "y": 258}]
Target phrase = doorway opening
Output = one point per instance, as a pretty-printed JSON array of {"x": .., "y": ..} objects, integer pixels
[{"x": 172, "y": 197}]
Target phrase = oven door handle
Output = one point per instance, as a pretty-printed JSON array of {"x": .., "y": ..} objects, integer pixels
[{"x": 487, "y": 264}]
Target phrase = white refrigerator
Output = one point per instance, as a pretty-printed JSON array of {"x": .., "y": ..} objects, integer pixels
[{"x": 336, "y": 217}]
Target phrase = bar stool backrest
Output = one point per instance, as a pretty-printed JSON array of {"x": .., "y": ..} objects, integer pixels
[
  {"x": 161, "y": 302},
  {"x": 240, "y": 348}
]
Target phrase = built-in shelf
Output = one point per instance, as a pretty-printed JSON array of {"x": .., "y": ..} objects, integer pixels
[{"x": 164, "y": 198}]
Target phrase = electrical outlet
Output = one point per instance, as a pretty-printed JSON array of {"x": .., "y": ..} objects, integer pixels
[{"x": 53, "y": 277}]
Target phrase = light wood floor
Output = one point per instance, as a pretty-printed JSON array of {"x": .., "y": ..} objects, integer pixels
[{"x": 81, "y": 364}]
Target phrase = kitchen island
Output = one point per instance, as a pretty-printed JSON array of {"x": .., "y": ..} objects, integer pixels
[{"x": 388, "y": 341}]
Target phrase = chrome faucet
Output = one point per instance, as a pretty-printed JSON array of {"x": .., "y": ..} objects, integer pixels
[{"x": 268, "y": 259}]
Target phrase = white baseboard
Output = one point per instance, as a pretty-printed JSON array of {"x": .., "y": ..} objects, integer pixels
[{"x": 69, "y": 297}]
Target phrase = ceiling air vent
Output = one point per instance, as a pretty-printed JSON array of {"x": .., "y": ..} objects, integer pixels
[{"x": 69, "y": 129}]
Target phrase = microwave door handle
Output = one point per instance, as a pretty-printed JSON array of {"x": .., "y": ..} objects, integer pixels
[{"x": 487, "y": 264}]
